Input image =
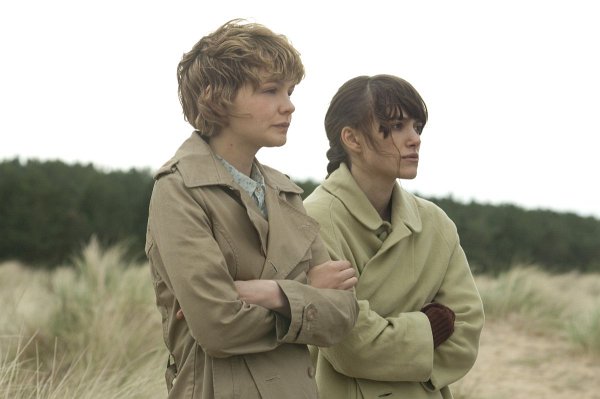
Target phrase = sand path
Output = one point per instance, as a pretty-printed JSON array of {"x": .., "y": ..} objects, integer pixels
[{"x": 519, "y": 364}]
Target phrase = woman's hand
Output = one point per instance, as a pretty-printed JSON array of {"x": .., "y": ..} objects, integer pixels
[{"x": 336, "y": 274}]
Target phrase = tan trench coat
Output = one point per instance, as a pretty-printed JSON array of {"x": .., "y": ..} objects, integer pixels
[
  {"x": 204, "y": 232},
  {"x": 401, "y": 266}
]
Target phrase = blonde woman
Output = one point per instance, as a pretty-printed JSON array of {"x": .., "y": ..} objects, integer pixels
[{"x": 230, "y": 246}]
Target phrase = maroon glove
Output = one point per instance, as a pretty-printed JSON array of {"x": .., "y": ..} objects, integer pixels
[{"x": 441, "y": 319}]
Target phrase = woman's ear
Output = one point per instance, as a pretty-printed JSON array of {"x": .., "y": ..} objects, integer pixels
[{"x": 351, "y": 140}]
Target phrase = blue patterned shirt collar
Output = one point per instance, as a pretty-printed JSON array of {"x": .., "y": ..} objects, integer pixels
[{"x": 253, "y": 185}]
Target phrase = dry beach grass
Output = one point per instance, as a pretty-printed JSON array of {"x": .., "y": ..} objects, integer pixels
[
  {"x": 541, "y": 339},
  {"x": 92, "y": 331}
]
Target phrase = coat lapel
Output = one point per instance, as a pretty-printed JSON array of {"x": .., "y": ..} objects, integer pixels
[
  {"x": 287, "y": 235},
  {"x": 291, "y": 234},
  {"x": 385, "y": 265}
]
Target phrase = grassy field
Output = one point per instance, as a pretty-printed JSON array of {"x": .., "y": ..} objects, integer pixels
[
  {"x": 92, "y": 332},
  {"x": 87, "y": 332},
  {"x": 541, "y": 338}
]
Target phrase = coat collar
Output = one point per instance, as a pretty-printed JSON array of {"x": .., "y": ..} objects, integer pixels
[
  {"x": 341, "y": 184},
  {"x": 199, "y": 166},
  {"x": 290, "y": 232}
]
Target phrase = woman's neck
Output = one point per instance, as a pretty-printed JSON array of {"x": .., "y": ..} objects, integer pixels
[
  {"x": 378, "y": 191},
  {"x": 239, "y": 156}
]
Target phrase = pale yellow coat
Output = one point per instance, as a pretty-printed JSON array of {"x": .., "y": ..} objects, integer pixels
[{"x": 402, "y": 266}]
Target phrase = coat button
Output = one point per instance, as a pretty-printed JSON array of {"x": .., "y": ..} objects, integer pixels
[
  {"x": 311, "y": 372},
  {"x": 311, "y": 313}
]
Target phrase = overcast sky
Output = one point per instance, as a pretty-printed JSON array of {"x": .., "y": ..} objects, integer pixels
[{"x": 512, "y": 87}]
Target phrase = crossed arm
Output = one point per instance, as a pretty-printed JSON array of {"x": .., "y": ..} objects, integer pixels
[{"x": 268, "y": 294}]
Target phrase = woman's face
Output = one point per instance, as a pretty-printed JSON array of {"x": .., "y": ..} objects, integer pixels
[
  {"x": 397, "y": 155},
  {"x": 261, "y": 116}
]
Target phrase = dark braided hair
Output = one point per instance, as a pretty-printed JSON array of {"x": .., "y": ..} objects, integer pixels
[{"x": 363, "y": 102}]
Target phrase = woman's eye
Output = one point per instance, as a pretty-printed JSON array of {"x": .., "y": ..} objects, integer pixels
[
  {"x": 419, "y": 128},
  {"x": 269, "y": 89},
  {"x": 397, "y": 126}
]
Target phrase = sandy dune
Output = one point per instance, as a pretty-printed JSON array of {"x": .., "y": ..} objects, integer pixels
[{"x": 516, "y": 363}]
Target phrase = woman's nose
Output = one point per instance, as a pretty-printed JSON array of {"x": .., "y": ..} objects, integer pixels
[
  {"x": 288, "y": 106},
  {"x": 415, "y": 137}
]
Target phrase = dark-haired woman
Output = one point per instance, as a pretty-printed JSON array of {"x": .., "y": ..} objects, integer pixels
[{"x": 420, "y": 312}]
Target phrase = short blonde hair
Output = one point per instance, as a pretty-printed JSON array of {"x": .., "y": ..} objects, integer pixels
[{"x": 237, "y": 53}]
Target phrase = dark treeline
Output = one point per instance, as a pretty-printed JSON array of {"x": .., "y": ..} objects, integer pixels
[
  {"x": 49, "y": 210},
  {"x": 495, "y": 237}
]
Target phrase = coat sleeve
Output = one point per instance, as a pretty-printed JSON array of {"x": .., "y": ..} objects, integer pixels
[
  {"x": 455, "y": 357},
  {"x": 393, "y": 348},
  {"x": 320, "y": 317},
  {"x": 194, "y": 269}
]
